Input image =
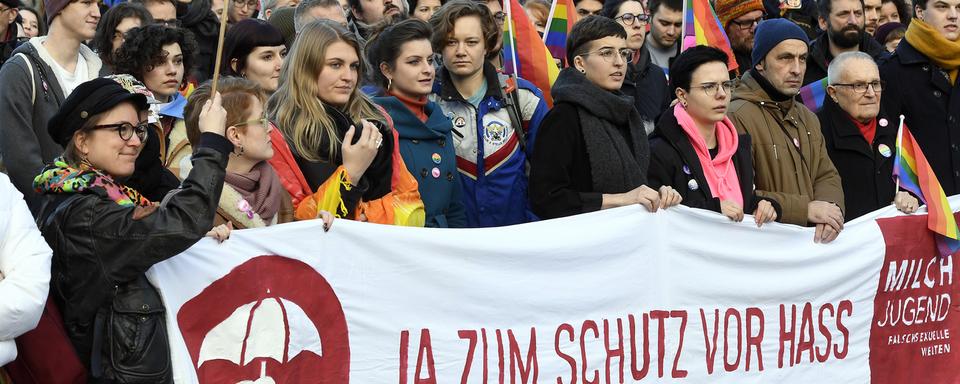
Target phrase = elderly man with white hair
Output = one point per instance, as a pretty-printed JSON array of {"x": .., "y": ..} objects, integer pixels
[{"x": 860, "y": 138}]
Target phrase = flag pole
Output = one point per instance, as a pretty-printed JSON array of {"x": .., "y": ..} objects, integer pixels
[
  {"x": 899, "y": 143},
  {"x": 546, "y": 28},
  {"x": 510, "y": 34},
  {"x": 216, "y": 67}
]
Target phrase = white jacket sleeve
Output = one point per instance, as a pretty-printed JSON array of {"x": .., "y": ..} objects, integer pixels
[
  {"x": 24, "y": 264},
  {"x": 8, "y": 351}
]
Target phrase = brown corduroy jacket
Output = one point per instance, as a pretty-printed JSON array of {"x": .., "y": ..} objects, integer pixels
[{"x": 792, "y": 174}]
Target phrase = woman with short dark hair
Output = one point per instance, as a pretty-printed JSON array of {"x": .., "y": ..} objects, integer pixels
[
  {"x": 254, "y": 49},
  {"x": 696, "y": 148},
  {"x": 592, "y": 151}
]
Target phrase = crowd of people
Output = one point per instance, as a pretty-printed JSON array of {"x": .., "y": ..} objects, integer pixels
[{"x": 118, "y": 152}]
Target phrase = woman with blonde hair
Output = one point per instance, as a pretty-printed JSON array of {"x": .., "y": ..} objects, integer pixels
[{"x": 334, "y": 149}]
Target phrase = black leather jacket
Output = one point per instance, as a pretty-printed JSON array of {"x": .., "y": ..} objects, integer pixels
[{"x": 113, "y": 316}]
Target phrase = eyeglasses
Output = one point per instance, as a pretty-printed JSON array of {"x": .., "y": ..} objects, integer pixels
[
  {"x": 500, "y": 17},
  {"x": 609, "y": 54},
  {"x": 862, "y": 87},
  {"x": 127, "y": 130},
  {"x": 747, "y": 24},
  {"x": 4, "y": 9},
  {"x": 263, "y": 121},
  {"x": 710, "y": 89},
  {"x": 629, "y": 18},
  {"x": 249, "y": 4}
]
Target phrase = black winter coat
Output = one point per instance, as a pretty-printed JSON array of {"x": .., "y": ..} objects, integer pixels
[
  {"x": 674, "y": 162},
  {"x": 561, "y": 183},
  {"x": 648, "y": 85},
  {"x": 820, "y": 56},
  {"x": 919, "y": 90},
  {"x": 101, "y": 250},
  {"x": 866, "y": 169}
]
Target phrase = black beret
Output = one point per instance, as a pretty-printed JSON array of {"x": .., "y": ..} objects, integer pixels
[{"x": 87, "y": 100}]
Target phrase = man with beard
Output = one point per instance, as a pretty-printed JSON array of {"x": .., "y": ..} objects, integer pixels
[
  {"x": 922, "y": 84},
  {"x": 740, "y": 19},
  {"x": 842, "y": 22},
  {"x": 790, "y": 160},
  {"x": 366, "y": 14}
]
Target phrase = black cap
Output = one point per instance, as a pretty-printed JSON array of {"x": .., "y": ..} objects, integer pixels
[
  {"x": 11, "y": 3},
  {"x": 87, "y": 100}
]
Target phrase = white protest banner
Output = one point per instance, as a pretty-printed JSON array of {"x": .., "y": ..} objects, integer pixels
[{"x": 610, "y": 297}]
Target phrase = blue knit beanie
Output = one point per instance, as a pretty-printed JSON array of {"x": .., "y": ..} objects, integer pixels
[{"x": 772, "y": 32}]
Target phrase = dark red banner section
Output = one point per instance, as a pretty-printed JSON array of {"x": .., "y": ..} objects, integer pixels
[{"x": 916, "y": 320}]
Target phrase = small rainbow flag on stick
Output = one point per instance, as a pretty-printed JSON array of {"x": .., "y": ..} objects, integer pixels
[
  {"x": 914, "y": 174},
  {"x": 813, "y": 94},
  {"x": 562, "y": 17},
  {"x": 702, "y": 27},
  {"x": 524, "y": 52}
]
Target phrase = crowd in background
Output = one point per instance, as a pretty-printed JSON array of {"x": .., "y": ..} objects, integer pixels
[{"x": 120, "y": 155}]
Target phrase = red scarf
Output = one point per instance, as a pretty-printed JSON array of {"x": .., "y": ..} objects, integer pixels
[
  {"x": 869, "y": 130},
  {"x": 418, "y": 106},
  {"x": 719, "y": 171}
]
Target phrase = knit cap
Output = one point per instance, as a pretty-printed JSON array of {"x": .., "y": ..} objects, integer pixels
[
  {"x": 771, "y": 33},
  {"x": 727, "y": 10},
  {"x": 53, "y": 7}
]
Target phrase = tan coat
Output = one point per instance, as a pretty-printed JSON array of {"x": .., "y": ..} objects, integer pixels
[{"x": 793, "y": 177}]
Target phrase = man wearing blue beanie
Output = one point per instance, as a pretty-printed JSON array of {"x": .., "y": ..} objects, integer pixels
[{"x": 789, "y": 156}]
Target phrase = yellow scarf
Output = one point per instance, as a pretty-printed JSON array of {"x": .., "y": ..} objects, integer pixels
[{"x": 942, "y": 52}]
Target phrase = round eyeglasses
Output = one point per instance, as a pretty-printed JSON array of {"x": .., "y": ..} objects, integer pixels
[{"x": 127, "y": 130}]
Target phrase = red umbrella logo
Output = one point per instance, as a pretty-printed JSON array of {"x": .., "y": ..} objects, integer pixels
[{"x": 270, "y": 314}]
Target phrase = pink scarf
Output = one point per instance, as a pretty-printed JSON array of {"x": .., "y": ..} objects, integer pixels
[{"x": 719, "y": 171}]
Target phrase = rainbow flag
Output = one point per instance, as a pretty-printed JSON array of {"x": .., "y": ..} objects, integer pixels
[
  {"x": 702, "y": 27},
  {"x": 524, "y": 52},
  {"x": 914, "y": 174},
  {"x": 813, "y": 94},
  {"x": 562, "y": 17}
]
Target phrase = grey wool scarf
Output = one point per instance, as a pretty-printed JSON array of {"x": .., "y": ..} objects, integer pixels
[{"x": 613, "y": 131}]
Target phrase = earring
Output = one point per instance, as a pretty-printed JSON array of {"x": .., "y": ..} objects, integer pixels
[
  {"x": 389, "y": 83},
  {"x": 583, "y": 71},
  {"x": 238, "y": 153}
]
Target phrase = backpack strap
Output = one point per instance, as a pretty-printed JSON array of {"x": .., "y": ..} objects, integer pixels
[{"x": 33, "y": 83}]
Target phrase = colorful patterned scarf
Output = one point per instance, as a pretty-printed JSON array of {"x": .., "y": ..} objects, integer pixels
[{"x": 60, "y": 177}]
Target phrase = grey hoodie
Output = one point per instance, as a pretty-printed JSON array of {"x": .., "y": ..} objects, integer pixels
[{"x": 24, "y": 142}]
